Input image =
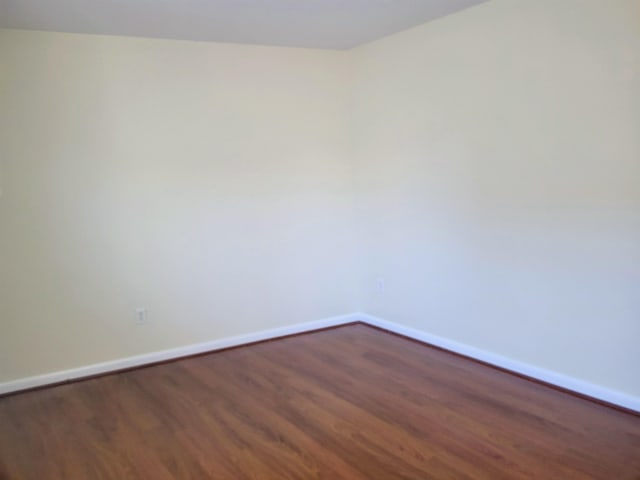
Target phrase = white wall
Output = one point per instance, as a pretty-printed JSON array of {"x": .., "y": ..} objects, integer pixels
[
  {"x": 208, "y": 183},
  {"x": 497, "y": 162},
  {"x": 498, "y": 167}
]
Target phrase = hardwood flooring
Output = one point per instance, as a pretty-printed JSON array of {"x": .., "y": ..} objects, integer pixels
[{"x": 347, "y": 403}]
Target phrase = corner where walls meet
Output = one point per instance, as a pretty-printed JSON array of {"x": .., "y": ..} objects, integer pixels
[{"x": 475, "y": 178}]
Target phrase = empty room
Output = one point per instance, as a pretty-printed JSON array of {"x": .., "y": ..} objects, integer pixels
[{"x": 319, "y": 239}]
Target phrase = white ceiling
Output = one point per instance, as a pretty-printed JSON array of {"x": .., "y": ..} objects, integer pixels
[{"x": 336, "y": 24}]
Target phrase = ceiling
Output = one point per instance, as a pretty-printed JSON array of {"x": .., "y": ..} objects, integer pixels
[{"x": 334, "y": 24}]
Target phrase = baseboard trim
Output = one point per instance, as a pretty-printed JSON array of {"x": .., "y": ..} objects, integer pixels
[
  {"x": 551, "y": 378},
  {"x": 563, "y": 382},
  {"x": 147, "y": 359}
]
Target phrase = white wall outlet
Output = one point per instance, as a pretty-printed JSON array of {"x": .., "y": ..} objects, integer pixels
[
  {"x": 141, "y": 316},
  {"x": 380, "y": 285}
]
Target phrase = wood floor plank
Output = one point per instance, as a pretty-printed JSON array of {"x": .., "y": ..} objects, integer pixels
[{"x": 349, "y": 403}]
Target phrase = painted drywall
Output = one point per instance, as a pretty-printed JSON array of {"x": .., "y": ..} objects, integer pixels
[
  {"x": 208, "y": 183},
  {"x": 497, "y": 183},
  {"x": 497, "y": 155}
]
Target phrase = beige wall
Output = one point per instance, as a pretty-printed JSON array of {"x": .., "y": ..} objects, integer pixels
[
  {"x": 208, "y": 183},
  {"x": 497, "y": 183},
  {"x": 498, "y": 161}
]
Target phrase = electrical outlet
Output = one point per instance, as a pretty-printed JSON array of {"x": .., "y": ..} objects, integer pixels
[
  {"x": 141, "y": 316},
  {"x": 380, "y": 285}
]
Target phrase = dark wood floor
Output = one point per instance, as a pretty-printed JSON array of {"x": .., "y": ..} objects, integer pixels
[{"x": 347, "y": 403}]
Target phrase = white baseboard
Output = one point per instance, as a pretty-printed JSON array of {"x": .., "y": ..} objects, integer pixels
[
  {"x": 174, "y": 353},
  {"x": 547, "y": 376}
]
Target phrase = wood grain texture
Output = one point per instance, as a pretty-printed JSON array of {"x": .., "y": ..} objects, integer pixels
[{"x": 347, "y": 403}]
